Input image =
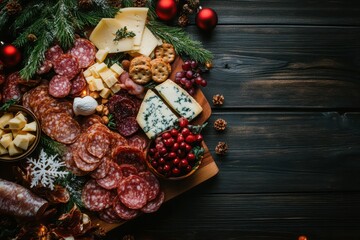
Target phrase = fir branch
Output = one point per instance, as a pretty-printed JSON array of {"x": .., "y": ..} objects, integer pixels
[
  {"x": 51, "y": 147},
  {"x": 111, "y": 124},
  {"x": 4, "y": 17},
  {"x": 8, "y": 104},
  {"x": 127, "y": 3},
  {"x": 27, "y": 15},
  {"x": 151, "y": 4},
  {"x": 74, "y": 185},
  {"x": 183, "y": 44},
  {"x": 37, "y": 27},
  {"x": 123, "y": 33},
  {"x": 64, "y": 28}
]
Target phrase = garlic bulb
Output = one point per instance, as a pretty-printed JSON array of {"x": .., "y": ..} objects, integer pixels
[{"x": 84, "y": 106}]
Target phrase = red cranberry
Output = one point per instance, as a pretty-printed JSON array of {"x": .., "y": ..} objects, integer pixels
[
  {"x": 199, "y": 137},
  {"x": 188, "y": 148},
  {"x": 180, "y": 139},
  {"x": 154, "y": 164},
  {"x": 175, "y": 147},
  {"x": 172, "y": 155},
  {"x": 156, "y": 155},
  {"x": 166, "y": 168},
  {"x": 188, "y": 168},
  {"x": 184, "y": 163},
  {"x": 166, "y": 135},
  {"x": 185, "y": 132},
  {"x": 174, "y": 132},
  {"x": 176, "y": 161},
  {"x": 190, "y": 139},
  {"x": 190, "y": 157},
  {"x": 169, "y": 142},
  {"x": 159, "y": 169},
  {"x": 183, "y": 122},
  {"x": 186, "y": 66},
  {"x": 203, "y": 83},
  {"x": 162, "y": 161},
  {"x": 176, "y": 171},
  {"x": 182, "y": 145},
  {"x": 159, "y": 145},
  {"x": 162, "y": 151},
  {"x": 181, "y": 153}
]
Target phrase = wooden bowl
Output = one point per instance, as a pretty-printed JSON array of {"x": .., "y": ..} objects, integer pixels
[{"x": 31, "y": 117}]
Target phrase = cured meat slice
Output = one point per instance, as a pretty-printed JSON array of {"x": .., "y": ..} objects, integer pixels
[
  {"x": 102, "y": 170},
  {"x": 70, "y": 163},
  {"x": 112, "y": 179},
  {"x": 98, "y": 144},
  {"x": 66, "y": 65},
  {"x": 53, "y": 53},
  {"x": 45, "y": 67},
  {"x": 11, "y": 89},
  {"x": 43, "y": 107},
  {"x": 60, "y": 107},
  {"x": 59, "y": 86},
  {"x": 154, "y": 205},
  {"x": 154, "y": 185},
  {"x": 132, "y": 192},
  {"x": 109, "y": 215},
  {"x": 61, "y": 127},
  {"x": 88, "y": 121},
  {"x": 94, "y": 197},
  {"x": 124, "y": 212},
  {"x": 127, "y": 126},
  {"x": 125, "y": 108},
  {"x": 116, "y": 140},
  {"x": 83, "y": 153},
  {"x": 128, "y": 170},
  {"x": 130, "y": 155},
  {"x": 84, "y": 51},
  {"x": 137, "y": 141},
  {"x": 78, "y": 84},
  {"x": 26, "y": 100},
  {"x": 82, "y": 165}
]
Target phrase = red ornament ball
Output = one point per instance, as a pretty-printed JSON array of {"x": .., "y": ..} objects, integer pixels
[
  {"x": 10, "y": 55},
  {"x": 166, "y": 9},
  {"x": 206, "y": 19}
]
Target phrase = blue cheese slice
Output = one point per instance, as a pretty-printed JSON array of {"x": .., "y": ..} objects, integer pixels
[
  {"x": 154, "y": 116},
  {"x": 178, "y": 99}
]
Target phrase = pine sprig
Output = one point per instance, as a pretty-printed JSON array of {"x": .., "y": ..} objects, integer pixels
[
  {"x": 27, "y": 16},
  {"x": 64, "y": 29},
  {"x": 8, "y": 104},
  {"x": 183, "y": 44},
  {"x": 74, "y": 185},
  {"x": 52, "y": 147}
]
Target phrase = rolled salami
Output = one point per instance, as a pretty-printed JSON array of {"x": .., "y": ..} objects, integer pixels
[{"x": 15, "y": 200}]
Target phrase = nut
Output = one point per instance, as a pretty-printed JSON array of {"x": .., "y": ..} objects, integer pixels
[
  {"x": 100, "y": 108},
  {"x": 105, "y": 119},
  {"x": 104, "y": 100},
  {"x": 106, "y": 111}
]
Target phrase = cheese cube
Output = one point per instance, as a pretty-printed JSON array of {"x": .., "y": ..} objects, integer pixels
[
  {"x": 3, "y": 150},
  {"x": 2, "y": 132},
  {"x": 6, "y": 139},
  {"x": 117, "y": 69},
  {"x": 98, "y": 84},
  {"x": 17, "y": 132},
  {"x": 13, "y": 150},
  {"x": 94, "y": 72},
  {"x": 105, "y": 93},
  {"x": 21, "y": 116},
  {"x": 115, "y": 88},
  {"x": 111, "y": 80},
  {"x": 17, "y": 123},
  {"x": 106, "y": 73},
  {"x": 101, "y": 67},
  {"x": 30, "y": 127},
  {"x": 92, "y": 87},
  {"x": 22, "y": 141},
  {"x": 87, "y": 73},
  {"x": 4, "y": 120},
  {"x": 101, "y": 55},
  {"x": 89, "y": 79},
  {"x": 31, "y": 137}
]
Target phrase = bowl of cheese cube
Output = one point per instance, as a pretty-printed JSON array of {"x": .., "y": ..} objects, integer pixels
[{"x": 19, "y": 133}]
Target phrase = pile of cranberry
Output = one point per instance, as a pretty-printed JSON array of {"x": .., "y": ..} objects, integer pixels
[
  {"x": 172, "y": 153},
  {"x": 190, "y": 77}
]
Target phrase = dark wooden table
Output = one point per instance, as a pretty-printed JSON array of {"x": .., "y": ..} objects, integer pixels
[{"x": 290, "y": 74}]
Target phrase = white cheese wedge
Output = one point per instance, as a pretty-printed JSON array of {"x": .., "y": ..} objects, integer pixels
[
  {"x": 22, "y": 141},
  {"x": 87, "y": 73},
  {"x": 14, "y": 150},
  {"x": 117, "y": 69},
  {"x": 6, "y": 139},
  {"x": 101, "y": 54},
  {"x": 154, "y": 116},
  {"x": 134, "y": 19},
  {"x": 149, "y": 43},
  {"x": 4, "y": 120},
  {"x": 3, "y": 150},
  {"x": 104, "y": 33},
  {"x": 184, "y": 104},
  {"x": 115, "y": 88},
  {"x": 89, "y": 79}
]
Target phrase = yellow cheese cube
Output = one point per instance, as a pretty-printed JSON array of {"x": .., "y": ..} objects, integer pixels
[
  {"x": 110, "y": 81},
  {"x": 106, "y": 73},
  {"x": 30, "y": 127},
  {"x": 3, "y": 150},
  {"x": 91, "y": 86},
  {"x": 87, "y": 73},
  {"x": 17, "y": 123},
  {"x": 6, "y": 139},
  {"x": 21, "y": 141},
  {"x": 2, "y": 132},
  {"x": 94, "y": 73},
  {"x": 117, "y": 69},
  {"x": 4, "y": 120},
  {"x": 101, "y": 55},
  {"x": 31, "y": 137},
  {"x": 98, "y": 84},
  {"x": 89, "y": 79},
  {"x": 101, "y": 67},
  {"x": 13, "y": 150},
  {"x": 17, "y": 132},
  {"x": 21, "y": 116},
  {"x": 115, "y": 88},
  {"x": 105, "y": 93}
]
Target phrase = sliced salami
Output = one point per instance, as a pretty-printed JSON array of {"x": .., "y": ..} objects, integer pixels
[
  {"x": 98, "y": 144},
  {"x": 102, "y": 170},
  {"x": 61, "y": 127},
  {"x": 130, "y": 155},
  {"x": 53, "y": 53},
  {"x": 11, "y": 89},
  {"x": 84, "y": 51},
  {"x": 2, "y": 78},
  {"x": 154, "y": 185},
  {"x": 127, "y": 126},
  {"x": 26, "y": 100},
  {"x": 138, "y": 141},
  {"x": 154, "y": 205},
  {"x": 91, "y": 120},
  {"x": 128, "y": 170},
  {"x": 45, "y": 67},
  {"x": 116, "y": 140},
  {"x": 94, "y": 197},
  {"x": 82, "y": 165},
  {"x": 78, "y": 84},
  {"x": 66, "y": 65},
  {"x": 59, "y": 86},
  {"x": 124, "y": 212},
  {"x": 109, "y": 215},
  {"x": 112, "y": 179},
  {"x": 132, "y": 192},
  {"x": 70, "y": 163},
  {"x": 61, "y": 107}
]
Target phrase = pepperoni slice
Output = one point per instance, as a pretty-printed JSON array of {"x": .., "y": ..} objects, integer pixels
[
  {"x": 127, "y": 126},
  {"x": 154, "y": 205},
  {"x": 66, "y": 65},
  {"x": 112, "y": 179},
  {"x": 78, "y": 85},
  {"x": 109, "y": 215},
  {"x": 53, "y": 53},
  {"x": 84, "y": 51},
  {"x": 138, "y": 141},
  {"x": 94, "y": 197},
  {"x": 124, "y": 212},
  {"x": 154, "y": 185},
  {"x": 88, "y": 121},
  {"x": 132, "y": 192},
  {"x": 98, "y": 144},
  {"x": 83, "y": 153},
  {"x": 128, "y": 170},
  {"x": 45, "y": 67},
  {"x": 11, "y": 89},
  {"x": 70, "y": 163},
  {"x": 130, "y": 155},
  {"x": 116, "y": 140},
  {"x": 60, "y": 107},
  {"x": 102, "y": 170},
  {"x": 59, "y": 86},
  {"x": 82, "y": 165}
]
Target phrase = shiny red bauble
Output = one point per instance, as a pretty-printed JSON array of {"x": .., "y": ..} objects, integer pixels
[
  {"x": 10, "y": 55},
  {"x": 206, "y": 19},
  {"x": 166, "y": 9}
]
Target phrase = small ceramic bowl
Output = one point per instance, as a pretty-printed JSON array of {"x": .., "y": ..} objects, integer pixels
[{"x": 31, "y": 117}]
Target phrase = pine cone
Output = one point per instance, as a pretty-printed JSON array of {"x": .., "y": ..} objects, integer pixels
[
  {"x": 220, "y": 124},
  {"x": 115, "y": 3},
  {"x": 221, "y": 148},
  {"x": 31, "y": 37},
  {"x": 85, "y": 3},
  {"x": 218, "y": 99},
  {"x": 187, "y": 9},
  {"x": 183, "y": 20},
  {"x": 13, "y": 7},
  {"x": 140, "y": 3}
]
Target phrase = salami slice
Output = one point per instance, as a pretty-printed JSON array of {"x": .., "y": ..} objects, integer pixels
[
  {"x": 11, "y": 89},
  {"x": 125, "y": 108},
  {"x": 98, "y": 144},
  {"x": 109, "y": 215},
  {"x": 124, "y": 212},
  {"x": 102, "y": 170},
  {"x": 112, "y": 179},
  {"x": 83, "y": 153},
  {"x": 26, "y": 100},
  {"x": 128, "y": 170},
  {"x": 132, "y": 192},
  {"x": 154, "y": 185},
  {"x": 130, "y": 155},
  {"x": 88, "y": 121},
  {"x": 127, "y": 126},
  {"x": 60, "y": 107},
  {"x": 45, "y": 67},
  {"x": 66, "y": 65},
  {"x": 78, "y": 85},
  {"x": 94, "y": 197},
  {"x": 154, "y": 205},
  {"x": 2, "y": 78},
  {"x": 116, "y": 140},
  {"x": 53, "y": 53},
  {"x": 70, "y": 163},
  {"x": 82, "y": 165},
  {"x": 84, "y": 51},
  {"x": 138, "y": 141},
  {"x": 59, "y": 86}
]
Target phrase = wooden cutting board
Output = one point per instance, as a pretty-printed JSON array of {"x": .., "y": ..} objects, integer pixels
[{"x": 207, "y": 169}]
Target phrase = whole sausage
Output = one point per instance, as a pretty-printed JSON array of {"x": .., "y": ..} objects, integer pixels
[{"x": 15, "y": 200}]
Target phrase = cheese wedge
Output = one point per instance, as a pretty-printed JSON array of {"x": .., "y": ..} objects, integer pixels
[
  {"x": 6, "y": 139},
  {"x": 3, "y": 150},
  {"x": 149, "y": 43},
  {"x": 30, "y": 127},
  {"x": 4, "y": 120},
  {"x": 14, "y": 150},
  {"x": 22, "y": 141}
]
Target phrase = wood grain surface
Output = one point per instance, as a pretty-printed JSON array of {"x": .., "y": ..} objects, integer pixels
[{"x": 289, "y": 71}]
